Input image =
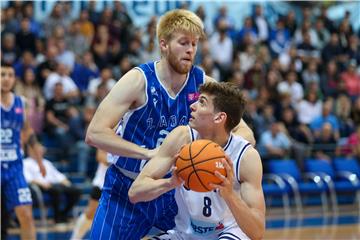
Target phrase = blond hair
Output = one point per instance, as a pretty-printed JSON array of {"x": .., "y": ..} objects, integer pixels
[{"x": 179, "y": 20}]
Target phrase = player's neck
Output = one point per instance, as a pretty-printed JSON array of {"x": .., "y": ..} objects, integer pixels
[
  {"x": 220, "y": 138},
  {"x": 171, "y": 79},
  {"x": 6, "y": 98}
]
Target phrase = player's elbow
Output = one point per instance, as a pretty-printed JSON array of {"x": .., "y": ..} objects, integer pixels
[
  {"x": 90, "y": 137},
  {"x": 133, "y": 195}
]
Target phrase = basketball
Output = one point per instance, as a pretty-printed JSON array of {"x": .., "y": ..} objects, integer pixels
[{"x": 197, "y": 163}]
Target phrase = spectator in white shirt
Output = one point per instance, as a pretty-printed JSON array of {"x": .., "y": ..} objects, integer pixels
[{"x": 54, "y": 183}]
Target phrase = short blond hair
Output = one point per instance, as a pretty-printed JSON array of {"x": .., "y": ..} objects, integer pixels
[{"x": 179, "y": 20}]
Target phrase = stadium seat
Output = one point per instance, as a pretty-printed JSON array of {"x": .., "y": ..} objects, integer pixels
[
  {"x": 307, "y": 183},
  {"x": 274, "y": 186}
]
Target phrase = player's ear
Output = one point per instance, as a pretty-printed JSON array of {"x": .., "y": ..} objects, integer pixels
[
  {"x": 220, "y": 117},
  {"x": 163, "y": 44}
]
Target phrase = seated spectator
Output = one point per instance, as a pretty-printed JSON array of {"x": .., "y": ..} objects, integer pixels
[
  {"x": 309, "y": 108},
  {"x": 330, "y": 79},
  {"x": 310, "y": 74},
  {"x": 279, "y": 39},
  {"x": 325, "y": 143},
  {"x": 105, "y": 77},
  {"x": 71, "y": 91},
  {"x": 342, "y": 112},
  {"x": 351, "y": 79},
  {"x": 292, "y": 87},
  {"x": 54, "y": 183},
  {"x": 57, "y": 118},
  {"x": 274, "y": 143},
  {"x": 295, "y": 130},
  {"x": 326, "y": 117},
  {"x": 352, "y": 147},
  {"x": 355, "y": 112},
  {"x": 29, "y": 88}
]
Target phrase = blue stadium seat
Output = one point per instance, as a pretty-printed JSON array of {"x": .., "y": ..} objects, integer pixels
[
  {"x": 300, "y": 184},
  {"x": 274, "y": 186}
]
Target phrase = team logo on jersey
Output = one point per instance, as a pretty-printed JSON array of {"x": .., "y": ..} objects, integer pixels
[
  {"x": 18, "y": 110},
  {"x": 193, "y": 96},
  {"x": 154, "y": 95},
  {"x": 205, "y": 228}
]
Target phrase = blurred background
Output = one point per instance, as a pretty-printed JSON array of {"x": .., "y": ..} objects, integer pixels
[{"x": 298, "y": 63}]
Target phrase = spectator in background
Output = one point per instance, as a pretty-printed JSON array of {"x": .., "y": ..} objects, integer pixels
[
  {"x": 76, "y": 41},
  {"x": 325, "y": 143},
  {"x": 87, "y": 28},
  {"x": 342, "y": 112},
  {"x": 279, "y": 39},
  {"x": 9, "y": 51},
  {"x": 310, "y": 74},
  {"x": 54, "y": 184},
  {"x": 226, "y": 18},
  {"x": 61, "y": 75},
  {"x": 35, "y": 27},
  {"x": 248, "y": 28},
  {"x": 209, "y": 68},
  {"x": 290, "y": 22},
  {"x": 326, "y": 117},
  {"x": 332, "y": 50},
  {"x": 55, "y": 19},
  {"x": 26, "y": 61},
  {"x": 57, "y": 118},
  {"x": 355, "y": 111},
  {"x": 353, "y": 145},
  {"x": 330, "y": 80},
  {"x": 247, "y": 58},
  {"x": 105, "y": 77},
  {"x": 65, "y": 56},
  {"x": 221, "y": 48},
  {"x": 351, "y": 79},
  {"x": 274, "y": 143},
  {"x": 292, "y": 87},
  {"x": 309, "y": 108},
  {"x": 84, "y": 71},
  {"x": 25, "y": 39},
  {"x": 29, "y": 88},
  {"x": 306, "y": 50},
  {"x": 353, "y": 51},
  {"x": 322, "y": 34},
  {"x": 260, "y": 24}
]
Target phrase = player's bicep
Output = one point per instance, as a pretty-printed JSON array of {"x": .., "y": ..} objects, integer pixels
[
  {"x": 251, "y": 177},
  {"x": 127, "y": 91}
]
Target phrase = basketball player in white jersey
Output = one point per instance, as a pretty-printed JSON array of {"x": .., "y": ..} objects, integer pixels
[
  {"x": 236, "y": 208},
  {"x": 146, "y": 103}
]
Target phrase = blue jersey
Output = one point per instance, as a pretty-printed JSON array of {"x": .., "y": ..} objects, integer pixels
[
  {"x": 149, "y": 124},
  {"x": 13, "y": 183},
  {"x": 12, "y": 121}
]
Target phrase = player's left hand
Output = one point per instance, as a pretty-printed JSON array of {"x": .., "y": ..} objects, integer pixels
[{"x": 226, "y": 187}]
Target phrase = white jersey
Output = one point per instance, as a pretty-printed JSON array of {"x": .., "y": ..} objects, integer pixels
[
  {"x": 206, "y": 214},
  {"x": 99, "y": 178}
]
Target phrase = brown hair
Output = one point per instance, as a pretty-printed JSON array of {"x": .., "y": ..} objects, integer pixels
[{"x": 226, "y": 98}]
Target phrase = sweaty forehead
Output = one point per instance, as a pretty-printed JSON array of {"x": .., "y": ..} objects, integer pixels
[{"x": 185, "y": 35}]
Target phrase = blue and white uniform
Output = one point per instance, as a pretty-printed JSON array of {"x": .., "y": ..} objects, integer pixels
[
  {"x": 205, "y": 215},
  {"x": 13, "y": 184},
  {"x": 147, "y": 126}
]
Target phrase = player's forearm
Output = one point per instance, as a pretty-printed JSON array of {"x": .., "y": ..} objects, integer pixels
[
  {"x": 108, "y": 141},
  {"x": 147, "y": 189},
  {"x": 251, "y": 222}
]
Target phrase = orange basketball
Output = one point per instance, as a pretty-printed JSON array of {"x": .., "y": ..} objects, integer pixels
[{"x": 197, "y": 163}]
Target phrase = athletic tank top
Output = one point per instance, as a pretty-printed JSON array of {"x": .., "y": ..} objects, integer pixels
[
  {"x": 206, "y": 214},
  {"x": 12, "y": 122},
  {"x": 149, "y": 124}
]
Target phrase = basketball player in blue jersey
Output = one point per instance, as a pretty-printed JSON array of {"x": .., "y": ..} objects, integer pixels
[
  {"x": 16, "y": 130},
  {"x": 236, "y": 208},
  {"x": 146, "y": 103}
]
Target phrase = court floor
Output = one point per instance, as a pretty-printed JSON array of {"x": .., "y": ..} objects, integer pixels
[{"x": 310, "y": 224}]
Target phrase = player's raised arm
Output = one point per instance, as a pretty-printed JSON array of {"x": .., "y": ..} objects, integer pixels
[
  {"x": 128, "y": 93},
  {"x": 150, "y": 183}
]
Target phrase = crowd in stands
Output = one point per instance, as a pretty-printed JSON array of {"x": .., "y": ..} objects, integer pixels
[{"x": 301, "y": 78}]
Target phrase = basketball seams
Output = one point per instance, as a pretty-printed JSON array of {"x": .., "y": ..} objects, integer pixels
[
  {"x": 202, "y": 161},
  {"x": 199, "y": 179},
  {"x": 197, "y": 154}
]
